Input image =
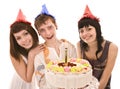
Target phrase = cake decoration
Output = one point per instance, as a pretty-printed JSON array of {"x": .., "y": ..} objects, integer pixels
[
  {"x": 73, "y": 65},
  {"x": 68, "y": 73}
]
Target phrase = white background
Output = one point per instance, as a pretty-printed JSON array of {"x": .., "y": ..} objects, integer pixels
[{"x": 67, "y": 13}]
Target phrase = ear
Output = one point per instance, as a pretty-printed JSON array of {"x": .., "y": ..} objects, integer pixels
[
  {"x": 38, "y": 33},
  {"x": 56, "y": 26}
]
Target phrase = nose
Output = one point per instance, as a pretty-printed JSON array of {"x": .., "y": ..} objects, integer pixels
[
  {"x": 24, "y": 39},
  {"x": 47, "y": 32},
  {"x": 84, "y": 34}
]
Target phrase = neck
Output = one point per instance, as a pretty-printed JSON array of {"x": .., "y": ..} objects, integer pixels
[
  {"x": 93, "y": 45},
  {"x": 52, "y": 42}
]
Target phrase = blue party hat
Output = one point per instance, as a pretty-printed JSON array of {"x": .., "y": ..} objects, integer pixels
[{"x": 44, "y": 10}]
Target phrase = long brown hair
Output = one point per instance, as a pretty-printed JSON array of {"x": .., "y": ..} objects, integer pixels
[{"x": 16, "y": 50}]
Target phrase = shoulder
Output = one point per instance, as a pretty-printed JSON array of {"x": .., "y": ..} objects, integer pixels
[
  {"x": 113, "y": 47},
  {"x": 78, "y": 43},
  {"x": 113, "y": 51},
  {"x": 14, "y": 60},
  {"x": 18, "y": 65},
  {"x": 67, "y": 42}
]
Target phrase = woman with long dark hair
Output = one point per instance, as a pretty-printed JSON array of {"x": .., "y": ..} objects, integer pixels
[
  {"x": 24, "y": 45},
  {"x": 93, "y": 47}
]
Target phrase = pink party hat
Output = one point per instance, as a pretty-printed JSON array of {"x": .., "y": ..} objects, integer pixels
[
  {"x": 20, "y": 16},
  {"x": 88, "y": 14}
]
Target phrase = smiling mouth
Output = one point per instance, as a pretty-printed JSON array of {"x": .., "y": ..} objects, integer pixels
[
  {"x": 87, "y": 38},
  {"x": 50, "y": 37},
  {"x": 26, "y": 45}
]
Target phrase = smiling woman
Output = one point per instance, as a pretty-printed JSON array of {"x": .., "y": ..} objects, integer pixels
[
  {"x": 67, "y": 14},
  {"x": 23, "y": 38},
  {"x": 24, "y": 45},
  {"x": 97, "y": 50}
]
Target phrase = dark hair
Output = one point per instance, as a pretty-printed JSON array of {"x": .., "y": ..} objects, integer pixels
[
  {"x": 85, "y": 22},
  {"x": 42, "y": 18},
  {"x": 15, "y": 49}
]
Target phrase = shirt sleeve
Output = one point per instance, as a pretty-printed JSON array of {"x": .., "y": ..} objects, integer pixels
[
  {"x": 39, "y": 67},
  {"x": 37, "y": 61}
]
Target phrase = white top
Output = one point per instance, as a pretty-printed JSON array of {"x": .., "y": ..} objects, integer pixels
[
  {"x": 18, "y": 83},
  {"x": 40, "y": 64}
]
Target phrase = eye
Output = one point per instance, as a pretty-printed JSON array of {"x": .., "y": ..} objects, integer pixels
[
  {"x": 26, "y": 33},
  {"x": 81, "y": 31},
  {"x": 88, "y": 29},
  {"x": 50, "y": 27},
  {"x": 17, "y": 38},
  {"x": 41, "y": 31}
]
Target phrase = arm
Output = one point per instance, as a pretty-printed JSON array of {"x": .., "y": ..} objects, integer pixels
[
  {"x": 112, "y": 54},
  {"x": 20, "y": 68},
  {"x": 25, "y": 71},
  {"x": 31, "y": 57}
]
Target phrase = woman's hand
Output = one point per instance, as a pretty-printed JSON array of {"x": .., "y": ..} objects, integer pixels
[{"x": 33, "y": 52}]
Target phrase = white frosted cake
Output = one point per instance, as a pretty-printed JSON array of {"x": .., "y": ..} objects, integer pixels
[{"x": 76, "y": 73}]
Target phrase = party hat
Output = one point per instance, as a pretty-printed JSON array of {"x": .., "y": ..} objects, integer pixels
[
  {"x": 20, "y": 16},
  {"x": 88, "y": 14},
  {"x": 45, "y": 11}
]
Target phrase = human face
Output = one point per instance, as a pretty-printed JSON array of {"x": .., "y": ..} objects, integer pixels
[
  {"x": 88, "y": 34},
  {"x": 24, "y": 39},
  {"x": 47, "y": 30}
]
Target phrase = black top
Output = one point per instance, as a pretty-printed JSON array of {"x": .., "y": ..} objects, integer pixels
[{"x": 98, "y": 65}]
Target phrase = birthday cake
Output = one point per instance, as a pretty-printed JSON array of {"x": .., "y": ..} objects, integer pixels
[{"x": 75, "y": 73}]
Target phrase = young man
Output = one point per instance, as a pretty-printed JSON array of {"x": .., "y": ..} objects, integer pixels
[{"x": 55, "y": 48}]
